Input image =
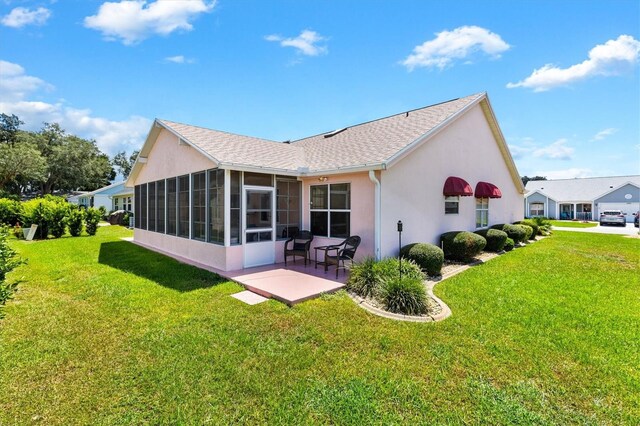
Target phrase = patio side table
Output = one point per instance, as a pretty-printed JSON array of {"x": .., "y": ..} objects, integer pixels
[{"x": 325, "y": 249}]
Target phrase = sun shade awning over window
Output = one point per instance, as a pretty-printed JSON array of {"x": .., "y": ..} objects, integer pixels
[
  {"x": 456, "y": 186},
  {"x": 487, "y": 190}
]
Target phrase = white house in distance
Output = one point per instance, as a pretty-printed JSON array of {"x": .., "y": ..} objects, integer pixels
[
  {"x": 112, "y": 197},
  {"x": 229, "y": 201},
  {"x": 583, "y": 198}
]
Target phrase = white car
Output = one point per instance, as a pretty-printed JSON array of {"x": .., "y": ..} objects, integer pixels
[{"x": 612, "y": 217}]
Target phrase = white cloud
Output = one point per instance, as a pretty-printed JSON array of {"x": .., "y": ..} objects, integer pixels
[
  {"x": 135, "y": 20},
  {"x": 111, "y": 135},
  {"x": 179, "y": 59},
  {"x": 612, "y": 58},
  {"x": 14, "y": 84},
  {"x": 306, "y": 43},
  {"x": 556, "y": 151},
  {"x": 21, "y": 16},
  {"x": 603, "y": 134},
  {"x": 458, "y": 44},
  {"x": 566, "y": 174}
]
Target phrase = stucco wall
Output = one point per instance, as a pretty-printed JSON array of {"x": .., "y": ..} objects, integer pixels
[
  {"x": 169, "y": 159},
  {"x": 412, "y": 188},
  {"x": 362, "y": 210}
]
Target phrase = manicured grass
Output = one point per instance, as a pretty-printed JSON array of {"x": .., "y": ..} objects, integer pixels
[
  {"x": 572, "y": 224},
  {"x": 104, "y": 332}
]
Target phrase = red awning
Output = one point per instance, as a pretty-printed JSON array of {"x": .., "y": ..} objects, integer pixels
[
  {"x": 456, "y": 186},
  {"x": 487, "y": 190}
]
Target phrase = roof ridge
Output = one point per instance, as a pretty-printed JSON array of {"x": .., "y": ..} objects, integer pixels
[
  {"x": 475, "y": 95},
  {"x": 216, "y": 130},
  {"x": 589, "y": 177}
]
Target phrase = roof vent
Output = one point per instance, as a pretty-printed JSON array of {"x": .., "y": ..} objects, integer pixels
[
  {"x": 610, "y": 186},
  {"x": 406, "y": 114},
  {"x": 288, "y": 141},
  {"x": 335, "y": 132}
]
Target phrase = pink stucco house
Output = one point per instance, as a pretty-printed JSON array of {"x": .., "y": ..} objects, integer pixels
[{"x": 229, "y": 201}]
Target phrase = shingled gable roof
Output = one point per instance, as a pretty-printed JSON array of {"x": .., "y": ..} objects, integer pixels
[
  {"x": 580, "y": 189},
  {"x": 373, "y": 145}
]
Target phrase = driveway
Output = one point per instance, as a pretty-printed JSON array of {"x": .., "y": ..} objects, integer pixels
[{"x": 619, "y": 230}]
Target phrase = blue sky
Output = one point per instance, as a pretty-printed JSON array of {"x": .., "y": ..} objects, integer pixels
[{"x": 563, "y": 76}]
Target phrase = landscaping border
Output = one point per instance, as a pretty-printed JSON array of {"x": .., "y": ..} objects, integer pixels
[{"x": 445, "y": 311}]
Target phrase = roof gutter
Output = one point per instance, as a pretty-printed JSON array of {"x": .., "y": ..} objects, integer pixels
[{"x": 377, "y": 213}]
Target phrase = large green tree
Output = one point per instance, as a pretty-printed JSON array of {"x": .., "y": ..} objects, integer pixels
[
  {"x": 49, "y": 160},
  {"x": 73, "y": 163},
  {"x": 125, "y": 163},
  {"x": 20, "y": 160}
]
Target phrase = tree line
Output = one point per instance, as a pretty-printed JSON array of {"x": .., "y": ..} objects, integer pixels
[{"x": 52, "y": 161}]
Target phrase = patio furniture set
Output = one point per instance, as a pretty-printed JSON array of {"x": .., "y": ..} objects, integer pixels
[{"x": 336, "y": 254}]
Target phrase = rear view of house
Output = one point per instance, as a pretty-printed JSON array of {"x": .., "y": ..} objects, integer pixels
[{"x": 230, "y": 201}]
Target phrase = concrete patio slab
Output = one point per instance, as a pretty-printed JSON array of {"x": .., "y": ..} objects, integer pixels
[
  {"x": 291, "y": 284},
  {"x": 249, "y": 297}
]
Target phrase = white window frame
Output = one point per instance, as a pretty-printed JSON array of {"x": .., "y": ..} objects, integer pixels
[
  {"x": 329, "y": 210},
  {"x": 482, "y": 206},
  {"x": 540, "y": 211},
  {"x": 452, "y": 199}
]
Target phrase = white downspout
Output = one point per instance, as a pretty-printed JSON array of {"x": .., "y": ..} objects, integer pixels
[{"x": 377, "y": 213}]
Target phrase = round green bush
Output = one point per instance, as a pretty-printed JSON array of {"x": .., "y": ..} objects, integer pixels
[
  {"x": 10, "y": 211},
  {"x": 509, "y": 245},
  {"x": 75, "y": 221},
  {"x": 528, "y": 231},
  {"x": 91, "y": 219},
  {"x": 406, "y": 295},
  {"x": 462, "y": 245},
  {"x": 532, "y": 224},
  {"x": 516, "y": 233},
  {"x": 495, "y": 239},
  {"x": 428, "y": 256}
]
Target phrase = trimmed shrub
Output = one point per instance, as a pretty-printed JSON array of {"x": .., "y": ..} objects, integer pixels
[
  {"x": 75, "y": 221},
  {"x": 10, "y": 211},
  {"x": 497, "y": 226},
  {"x": 407, "y": 295},
  {"x": 39, "y": 212},
  {"x": 462, "y": 245},
  {"x": 429, "y": 257},
  {"x": 533, "y": 225},
  {"x": 509, "y": 245},
  {"x": 8, "y": 261},
  {"x": 516, "y": 233},
  {"x": 495, "y": 239},
  {"x": 58, "y": 225},
  {"x": 362, "y": 278},
  {"x": 103, "y": 212},
  {"x": 91, "y": 220},
  {"x": 528, "y": 231}
]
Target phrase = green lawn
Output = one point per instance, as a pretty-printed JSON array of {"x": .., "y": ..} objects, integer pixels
[
  {"x": 572, "y": 224},
  {"x": 104, "y": 332}
]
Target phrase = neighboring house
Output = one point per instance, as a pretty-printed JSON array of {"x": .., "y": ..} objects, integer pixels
[
  {"x": 112, "y": 197},
  {"x": 74, "y": 197},
  {"x": 582, "y": 198},
  {"x": 230, "y": 201}
]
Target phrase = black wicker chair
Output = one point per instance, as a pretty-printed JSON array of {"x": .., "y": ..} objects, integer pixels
[
  {"x": 300, "y": 245},
  {"x": 346, "y": 250}
]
